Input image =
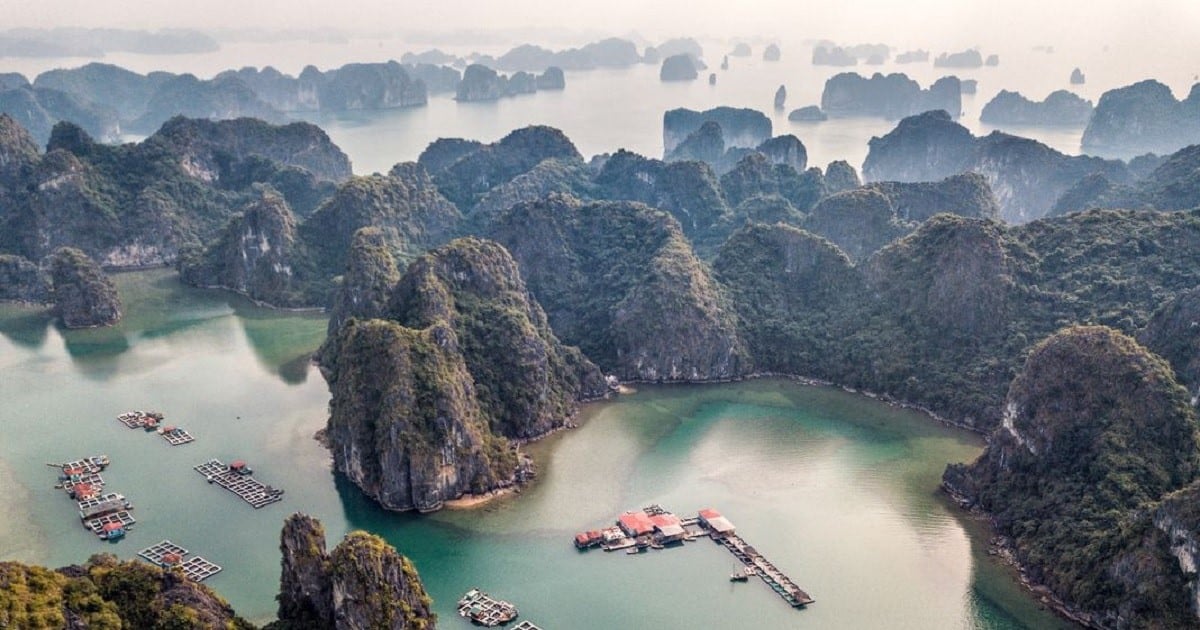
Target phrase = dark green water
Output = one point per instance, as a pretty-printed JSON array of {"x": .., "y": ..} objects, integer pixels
[{"x": 837, "y": 490}]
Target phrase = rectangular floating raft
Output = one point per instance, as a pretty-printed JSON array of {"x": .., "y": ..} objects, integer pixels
[
  {"x": 97, "y": 524},
  {"x": 177, "y": 437},
  {"x": 196, "y": 569},
  {"x": 526, "y": 625},
  {"x": 252, "y": 491}
]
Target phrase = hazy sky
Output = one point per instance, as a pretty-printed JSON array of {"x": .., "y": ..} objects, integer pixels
[{"x": 1161, "y": 23}]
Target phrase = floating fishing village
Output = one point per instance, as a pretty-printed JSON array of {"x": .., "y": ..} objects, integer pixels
[
  {"x": 653, "y": 527},
  {"x": 482, "y": 609},
  {"x": 109, "y": 515}
]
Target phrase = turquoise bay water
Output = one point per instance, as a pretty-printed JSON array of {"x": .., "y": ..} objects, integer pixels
[{"x": 836, "y": 489}]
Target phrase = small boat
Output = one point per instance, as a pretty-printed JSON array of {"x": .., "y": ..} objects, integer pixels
[{"x": 741, "y": 575}]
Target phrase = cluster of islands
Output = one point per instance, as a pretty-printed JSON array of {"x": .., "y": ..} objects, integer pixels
[{"x": 479, "y": 295}]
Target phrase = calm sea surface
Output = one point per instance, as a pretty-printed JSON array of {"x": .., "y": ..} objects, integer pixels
[{"x": 837, "y": 490}]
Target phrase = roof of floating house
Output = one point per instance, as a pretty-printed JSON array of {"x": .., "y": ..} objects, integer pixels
[
  {"x": 716, "y": 521},
  {"x": 668, "y": 524},
  {"x": 637, "y": 523}
]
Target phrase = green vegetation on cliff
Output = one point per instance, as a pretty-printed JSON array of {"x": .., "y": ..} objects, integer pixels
[
  {"x": 109, "y": 594},
  {"x": 83, "y": 296},
  {"x": 1095, "y": 430},
  {"x": 425, "y": 399}
]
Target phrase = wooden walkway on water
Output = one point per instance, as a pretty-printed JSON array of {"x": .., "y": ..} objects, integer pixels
[
  {"x": 196, "y": 569},
  {"x": 766, "y": 571},
  {"x": 252, "y": 491}
]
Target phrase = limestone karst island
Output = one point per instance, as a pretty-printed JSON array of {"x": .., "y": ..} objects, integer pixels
[{"x": 584, "y": 316}]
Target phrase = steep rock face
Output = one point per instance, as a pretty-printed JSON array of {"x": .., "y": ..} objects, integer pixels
[
  {"x": 305, "y": 589},
  {"x": 125, "y": 91},
  {"x": 891, "y": 96},
  {"x": 1174, "y": 334},
  {"x": 405, "y": 425},
  {"x": 678, "y": 68},
  {"x": 467, "y": 179},
  {"x": 552, "y": 79},
  {"x": 808, "y": 113},
  {"x": 745, "y": 128},
  {"x": 833, "y": 56},
  {"x": 554, "y": 175},
  {"x": 967, "y": 195},
  {"x": 39, "y": 109},
  {"x": 202, "y": 145},
  {"x": 443, "y": 152},
  {"x": 689, "y": 191},
  {"x": 785, "y": 283},
  {"x": 424, "y": 400},
  {"x": 1077, "y": 77},
  {"x": 357, "y": 86},
  {"x": 858, "y": 221},
  {"x": 964, "y": 59},
  {"x": 371, "y": 275},
  {"x": 840, "y": 176},
  {"x": 1179, "y": 521},
  {"x": 218, "y": 99},
  {"x": 706, "y": 144},
  {"x": 913, "y": 56},
  {"x": 772, "y": 53},
  {"x": 19, "y": 154},
  {"x": 780, "y": 97},
  {"x": 1142, "y": 118},
  {"x": 1095, "y": 429},
  {"x": 620, "y": 280},
  {"x": 83, "y": 296},
  {"x": 922, "y": 148},
  {"x": 22, "y": 281},
  {"x": 786, "y": 149},
  {"x": 756, "y": 176},
  {"x": 965, "y": 286},
  {"x": 526, "y": 381},
  {"x": 1173, "y": 184},
  {"x": 405, "y": 200},
  {"x": 1059, "y": 108},
  {"x": 363, "y": 584},
  {"x": 480, "y": 83},
  {"x": 99, "y": 594},
  {"x": 259, "y": 255},
  {"x": 1026, "y": 176}
]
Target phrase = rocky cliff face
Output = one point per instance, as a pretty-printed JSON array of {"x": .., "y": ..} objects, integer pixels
[
  {"x": 1026, "y": 176},
  {"x": 706, "y": 144},
  {"x": 608, "y": 273},
  {"x": 424, "y": 400},
  {"x": 202, "y": 145},
  {"x": 83, "y": 296},
  {"x": 1171, "y": 184},
  {"x": 100, "y": 594},
  {"x": 680, "y": 67},
  {"x": 1142, "y": 118},
  {"x": 22, "y": 280},
  {"x": 1060, "y": 108},
  {"x": 1174, "y": 334},
  {"x": 892, "y": 96},
  {"x": 967, "y": 195},
  {"x": 858, "y": 221},
  {"x": 1179, "y": 522},
  {"x": 1095, "y": 430},
  {"x": 363, "y": 584},
  {"x": 743, "y": 128},
  {"x": 465, "y": 179},
  {"x": 221, "y": 98},
  {"x": 405, "y": 201},
  {"x": 259, "y": 255},
  {"x": 371, "y": 275},
  {"x": 39, "y": 109}
]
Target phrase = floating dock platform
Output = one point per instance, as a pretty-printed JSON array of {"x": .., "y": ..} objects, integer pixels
[
  {"x": 485, "y": 610},
  {"x": 85, "y": 466},
  {"x": 526, "y": 625},
  {"x": 652, "y": 527},
  {"x": 237, "y": 479},
  {"x": 176, "y": 436},
  {"x": 122, "y": 518},
  {"x": 148, "y": 420},
  {"x": 167, "y": 554}
]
